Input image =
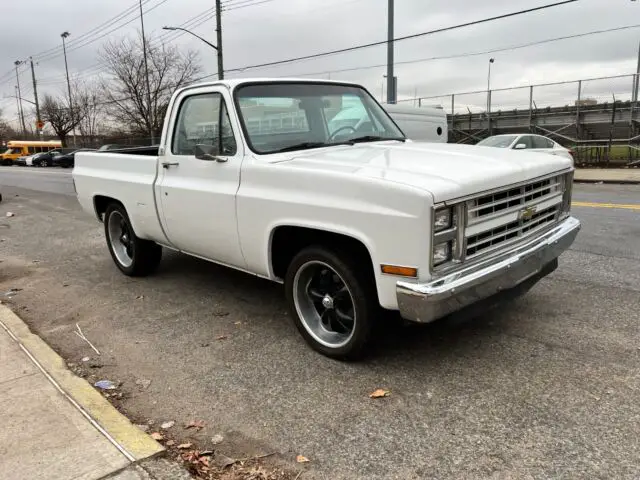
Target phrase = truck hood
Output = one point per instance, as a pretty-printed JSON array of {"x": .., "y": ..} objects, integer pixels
[{"x": 447, "y": 171}]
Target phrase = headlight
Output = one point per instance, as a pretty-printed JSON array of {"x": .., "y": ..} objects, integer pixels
[
  {"x": 442, "y": 219},
  {"x": 442, "y": 253}
]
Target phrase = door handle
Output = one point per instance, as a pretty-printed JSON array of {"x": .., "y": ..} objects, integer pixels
[{"x": 169, "y": 164}]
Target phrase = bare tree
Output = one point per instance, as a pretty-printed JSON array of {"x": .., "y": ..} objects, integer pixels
[
  {"x": 6, "y": 131},
  {"x": 57, "y": 113},
  {"x": 89, "y": 103},
  {"x": 125, "y": 84}
]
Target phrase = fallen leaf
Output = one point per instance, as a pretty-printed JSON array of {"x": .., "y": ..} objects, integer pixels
[
  {"x": 184, "y": 446},
  {"x": 198, "y": 424},
  {"x": 223, "y": 461},
  {"x": 157, "y": 436},
  {"x": 237, "y": 323},
  {"x": 170, "y": 443},
  {"x": 379, "y": 393},
  {"x": 167, "y": 425},
  {"x": 11, "y": 214},
  {"x": 217, "y": 439},
  {"x": 206, "y": 453},
  {"x": 302, "y": 459},
  {"x": 204, "y": 461},
  {"x": 140, "y": 297},
  {"x": 221, "y": 337},
  {"x": 86, "y": 359}
]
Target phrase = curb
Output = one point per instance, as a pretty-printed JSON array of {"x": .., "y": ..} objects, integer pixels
[
  {"x": 129, "y": 439},
  {"x": 608, "y": 182}
]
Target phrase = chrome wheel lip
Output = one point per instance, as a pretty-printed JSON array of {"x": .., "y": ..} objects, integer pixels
[
  {"x": 308, "y": 314},
  {"x": 116, "y": 234}
]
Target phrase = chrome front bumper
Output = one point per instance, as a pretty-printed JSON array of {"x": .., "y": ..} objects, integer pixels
[{"x": 426, "y": 302}]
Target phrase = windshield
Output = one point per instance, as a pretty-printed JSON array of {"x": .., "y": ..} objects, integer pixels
[
  {"x": 499, "y": 141},
  {"x": 289, "y": 116}
]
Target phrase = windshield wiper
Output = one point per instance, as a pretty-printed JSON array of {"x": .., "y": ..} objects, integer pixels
[
  {"x": 375, "y": 138},
  {"x": 300, "y": 146},
  {"x": 307, "y": 145}
]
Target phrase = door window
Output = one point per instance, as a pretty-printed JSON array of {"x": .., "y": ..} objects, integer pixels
[
  {"x": 526, "y": 140},
  {"x": 542, "y": 142},
  {"x": 203, "y": 120}
]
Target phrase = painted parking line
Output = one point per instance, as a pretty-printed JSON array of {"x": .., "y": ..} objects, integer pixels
[{"x": 627, "y": 206}]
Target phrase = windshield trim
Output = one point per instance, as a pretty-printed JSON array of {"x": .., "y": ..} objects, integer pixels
[{"x": 243, "y": 126}]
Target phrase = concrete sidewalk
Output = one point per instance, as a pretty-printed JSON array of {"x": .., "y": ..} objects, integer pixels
[
  {"x": 54, "y": 425},
  {"x": 608, "y": 175}
]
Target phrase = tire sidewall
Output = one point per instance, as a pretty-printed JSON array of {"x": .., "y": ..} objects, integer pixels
[
  {"x": 120, "y": 209},
  {"x": 365, "y": 308}
]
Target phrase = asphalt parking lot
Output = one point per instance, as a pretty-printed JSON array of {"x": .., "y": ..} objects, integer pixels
[{"x": 545, "y": 387}]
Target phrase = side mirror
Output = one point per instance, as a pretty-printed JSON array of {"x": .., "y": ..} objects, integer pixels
[
  {"x": 520, "y": 146},
  {"x": 209, "y": 153}
]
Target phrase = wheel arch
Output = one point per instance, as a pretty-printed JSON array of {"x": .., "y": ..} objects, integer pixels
[{"x": 287, "y": 239}]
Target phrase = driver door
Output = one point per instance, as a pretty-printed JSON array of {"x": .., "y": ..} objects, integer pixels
[{"x": 197, "y": 197}]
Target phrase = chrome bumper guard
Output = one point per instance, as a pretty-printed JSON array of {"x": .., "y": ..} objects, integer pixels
[{"x": 426, "y": 302}]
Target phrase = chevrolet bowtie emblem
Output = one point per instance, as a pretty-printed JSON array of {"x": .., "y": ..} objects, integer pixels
[{"x": 527, "y": 213}]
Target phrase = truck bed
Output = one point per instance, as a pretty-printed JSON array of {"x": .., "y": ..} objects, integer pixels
[{"x": 126, "y": 174}]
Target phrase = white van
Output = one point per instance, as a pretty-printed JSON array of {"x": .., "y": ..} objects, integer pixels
[{"x": 425, "y": 124}]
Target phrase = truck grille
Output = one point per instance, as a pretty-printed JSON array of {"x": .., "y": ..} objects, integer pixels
[{"x": 506, "y": 215}]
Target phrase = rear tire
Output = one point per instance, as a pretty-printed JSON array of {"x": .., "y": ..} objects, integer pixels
[
  {"x": 333, "y": 302},
  {"x": 134, "y": 256}
]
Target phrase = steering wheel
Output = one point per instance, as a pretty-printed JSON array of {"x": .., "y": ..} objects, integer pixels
[{"x": 332, "y": 136}]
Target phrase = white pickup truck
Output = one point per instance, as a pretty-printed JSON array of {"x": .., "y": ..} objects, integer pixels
[{"x": 351, "y": 220}]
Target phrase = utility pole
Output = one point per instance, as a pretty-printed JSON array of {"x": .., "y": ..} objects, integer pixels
[
  {"x": 491, "y": 60},
  {"x": 35, "y": 93},
  {"x": 64, "y": 36},
  {"x": 390, "y": 77},
  {"x": 146, "y": 72},
  {"x": 18, "y": 105},
  {"x": 219, "y": 40},
  {"x": 637, "y": 86},
  {"x": 17, "y": 63}
]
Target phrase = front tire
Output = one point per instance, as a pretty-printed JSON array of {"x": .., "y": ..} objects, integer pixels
[
  {"x": 333, "y": 302},
  {"x": 134, "y": 256}
]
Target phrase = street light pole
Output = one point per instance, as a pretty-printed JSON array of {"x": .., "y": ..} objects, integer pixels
[
  {"x": 64, "y": 36},
  {"x": 146, "y": 72},
  {"x": 220, "y": 68},
  {"x": 191, "y": 33},
  {"x": 17, "y": 63}
]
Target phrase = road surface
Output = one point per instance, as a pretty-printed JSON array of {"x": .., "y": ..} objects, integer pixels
[{"x": 547, "y": 386}]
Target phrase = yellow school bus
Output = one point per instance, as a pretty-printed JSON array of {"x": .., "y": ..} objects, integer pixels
[{"x": 21, "y": 148}]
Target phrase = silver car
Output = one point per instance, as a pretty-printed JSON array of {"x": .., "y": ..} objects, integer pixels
[{"x": 528, "y": 142}]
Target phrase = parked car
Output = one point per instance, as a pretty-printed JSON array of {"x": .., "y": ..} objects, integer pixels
[
  {"x": 529, "y": 142},
  {"x": 110, "y": 146},
  {"x": 44, "y": 159},
  {"x": 67, "y": 160},
  {"x": 22, "y": 161},
  {"x": 350, "y": 222}
]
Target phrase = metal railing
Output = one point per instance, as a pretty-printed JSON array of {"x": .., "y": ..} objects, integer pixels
[{"x": 599, "y": 118}]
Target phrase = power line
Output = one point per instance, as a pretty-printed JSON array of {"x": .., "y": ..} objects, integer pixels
[
  {"x": 406, "y": 37},
  {"x": 473, "y": 54},
  {"x": 103, "y": 26},
  {"x": 94, "y": 39}
]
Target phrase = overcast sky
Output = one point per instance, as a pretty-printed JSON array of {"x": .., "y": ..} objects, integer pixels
[{"x": 256, "y": 32}]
